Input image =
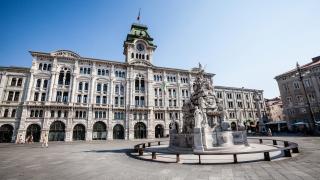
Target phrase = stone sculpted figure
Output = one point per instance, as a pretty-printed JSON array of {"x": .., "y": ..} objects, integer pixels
[
  {"x": 203, "y": 106},
  {"x": 197, "y": 117}
]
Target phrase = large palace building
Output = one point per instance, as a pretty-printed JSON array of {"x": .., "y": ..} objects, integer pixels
[{"x": 77, "y": 98}]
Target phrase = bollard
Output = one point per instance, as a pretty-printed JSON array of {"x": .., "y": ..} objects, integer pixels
[
  {"x": 159, "y": 143},
  {"x": 267, "y": 156},
  {"x": 235, "y": 160},
  {"x": 140, "y": 152},
  {"x": 260, "y": 140},
  {"x": 286, "y": 143},
  {"x": 149, "y": 144},
  {"x": 287, "y": 153},
  {"x": 295, "y": 150},
  {"x": 177, "y": 158},
  {"x": 275, "y": 142},
  {"x": 199, "y": 159},
  {"x": 154, "y": 155}
]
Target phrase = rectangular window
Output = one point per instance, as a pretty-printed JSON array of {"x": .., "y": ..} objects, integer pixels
[
  {"x": 10, "y": 96},
  {"x": 13, "y": 113},
  {"x": 43, "y": 96},
  {"x": 36, "y": 96},
  {"x": 86, "y": 86},
  {"x": 65, "y": 97},
  {"x": 104, "y": 100},
  {"x": 52, "y": 114},
  {"x": 121, "y": 101},
  {"x": 296, "y": 85},
  {"x": 98, "y": 100},
  {"x": 116, "y": 101},
  {"x": 230, "y": 104},
  {"x": 79, "y": 99},
  {"x": 156, "y": 102},
  {"x": 85, "y": 98},
  {"x": 16, "y": 96}
]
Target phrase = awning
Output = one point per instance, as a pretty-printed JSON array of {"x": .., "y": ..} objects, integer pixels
[
  {"x": 277, "y": 122},
  {"x": 300, "y": 123}
]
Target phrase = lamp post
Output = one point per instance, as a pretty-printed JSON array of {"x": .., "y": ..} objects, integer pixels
[{"x": 306, "y": 96}]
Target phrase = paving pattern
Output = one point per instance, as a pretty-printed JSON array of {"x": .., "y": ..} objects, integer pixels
[{"x": 111, "y": 160}]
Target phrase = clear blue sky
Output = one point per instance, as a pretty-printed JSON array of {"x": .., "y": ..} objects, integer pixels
[{"x": 245, "y": 43}]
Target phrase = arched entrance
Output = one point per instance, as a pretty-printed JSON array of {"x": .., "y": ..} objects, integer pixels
[
  {"x": 79, "y": 132},
  {"x": 140, "y": 130},
  {"x": 177, "y": 126},
  {"x": 35, "y": 131},
  {"x": 6, "y": 132},
  {"x": 99, "y": 131},
  {"x": 57, "y": 131},
  {"x": 233, "y": 126},
  {"x": 118, "y": 132},
  {"x": 158, "y": 131}
]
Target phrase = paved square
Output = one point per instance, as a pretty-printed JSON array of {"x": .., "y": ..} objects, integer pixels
[{"x": 110, "y": 160}]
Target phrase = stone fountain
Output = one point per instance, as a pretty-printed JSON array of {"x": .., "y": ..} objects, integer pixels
[{"x": 204, "y": 126}]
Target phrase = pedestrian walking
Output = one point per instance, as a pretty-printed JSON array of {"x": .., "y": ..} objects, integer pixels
[{"x": 45, "y": 140}]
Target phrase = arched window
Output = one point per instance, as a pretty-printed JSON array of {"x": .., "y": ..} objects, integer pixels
[
  {"x": 59, "y": 114},
  {"x": 38, "y": 83},
  {"x": 132, "y": 55},
  {"x": 49, "y": 67},
  {"x": 89, "y": 71},
  {"x": 142, "y": 56},
  {"x": 61, "y": 76},
  {"x": 107, "y": 72},
  {"x": 139, "y": 56},
  {"x": 84, "y": 70},
  {"x": 68, "y": 77},
  {"x": 103, "y": 72},
  {"x": 117, "y": 74},
  {"x": 36, "y": 113},
  {"x": 158, "y": 78},
  {"x": 123, "y": 74},
  {"x": 84, "y": 114},
  {"x": 98, "y": 87},
  {"x": 116, "y": 90},
  {"x": 40, "y": 66},
  {"x": 154, "y": 77},
  {"x": 81, "y": 70},
  {"x": 147, "y": 57},
  {"x": 40, "y": 113},
  {"x": 45, "y": 67},
  {"x": 99, "y": 71},
  {"x": 105, "y": 88},
  {"x": 122, "y": 90},
  {"x": 31, "y": 113},
  {"x": 80, "y": 86},
  {"x": 13, "y": 81},
  {"x": 80, "y": 114}
]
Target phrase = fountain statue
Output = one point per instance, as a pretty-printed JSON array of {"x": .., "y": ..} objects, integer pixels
[{"x": 204, "y": 126}]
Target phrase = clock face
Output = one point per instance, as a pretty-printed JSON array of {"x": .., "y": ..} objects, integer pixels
[{"x": 140, "y": 47}]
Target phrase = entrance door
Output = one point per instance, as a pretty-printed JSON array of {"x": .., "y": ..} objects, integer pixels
[
  {"x": 79, "y": 132},
  {"x": 159, "y": 131},
  {"x": 57, "y": 131},
  {"x": 6, "y": 132},
  {"x": 35, "y": 131},
  {"x": 140, "y": 131},
  {"x": 118, "y": 132},
  {"x": 99, "y": 131}
]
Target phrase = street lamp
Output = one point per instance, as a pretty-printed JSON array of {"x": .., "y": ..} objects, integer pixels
[{"x": 306, "y": 96}]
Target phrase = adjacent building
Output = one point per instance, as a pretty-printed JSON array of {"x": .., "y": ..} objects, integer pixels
[
  {"x": 274, "y": 109},
  {"x": 300, "y": 93},
  {"x": 71, "y": 97}
]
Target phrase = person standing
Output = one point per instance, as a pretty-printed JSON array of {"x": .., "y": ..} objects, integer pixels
[{"x": 45, "y": 140}]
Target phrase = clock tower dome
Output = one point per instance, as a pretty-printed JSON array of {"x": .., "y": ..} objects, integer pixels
[{"x": 138, "y": 46}]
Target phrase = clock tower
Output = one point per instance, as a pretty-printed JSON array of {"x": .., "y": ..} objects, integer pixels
[{"x": 138, "y": 46}]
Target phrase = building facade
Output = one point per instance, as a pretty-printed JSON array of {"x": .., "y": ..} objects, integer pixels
[
  {"x": 77, "y": 98},
  {"x": 297, "y": 92},
  {"x": 240, "y": 104},
  {"x": 274, "y": 109}
]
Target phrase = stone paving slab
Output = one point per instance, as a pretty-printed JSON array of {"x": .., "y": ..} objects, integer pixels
[{"x": 111, "y": 160}]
